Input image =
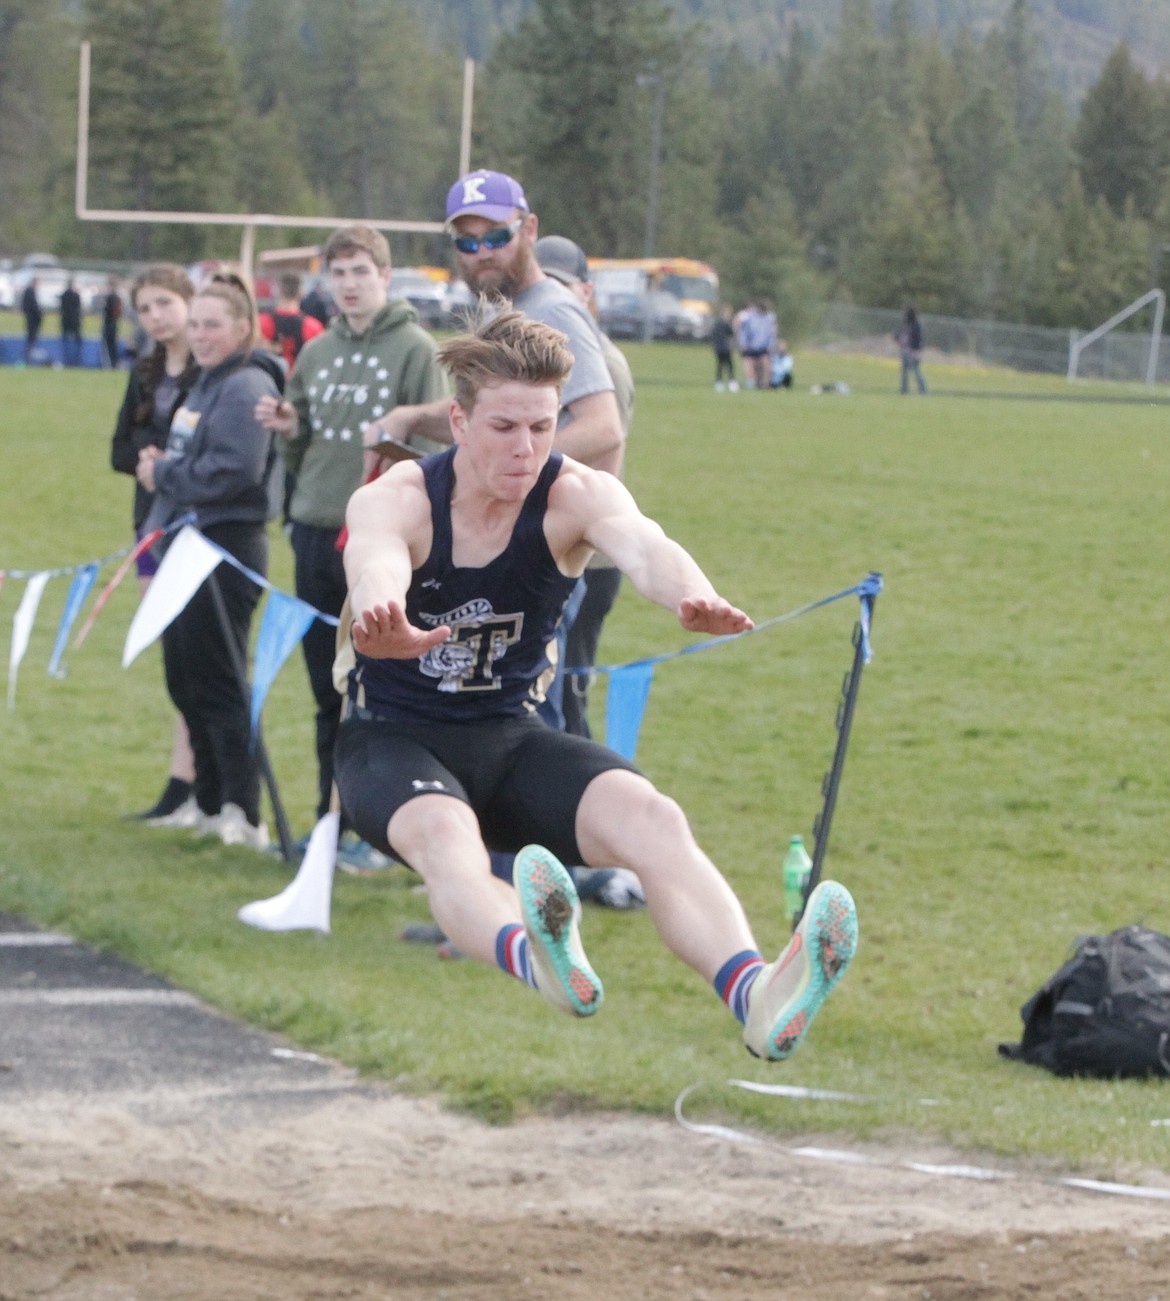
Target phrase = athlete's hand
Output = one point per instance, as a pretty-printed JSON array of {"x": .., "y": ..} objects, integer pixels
[
  {"x": 385, "y": 633},
  {"x": 712, "y": 614}
]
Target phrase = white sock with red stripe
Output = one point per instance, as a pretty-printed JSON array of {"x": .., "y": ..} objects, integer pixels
[
  {"x": 512, "y": 953},
  {"x": 734, "y": 981}
]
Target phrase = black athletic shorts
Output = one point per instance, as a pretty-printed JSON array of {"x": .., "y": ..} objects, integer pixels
[{"x": 522, "y": 779}]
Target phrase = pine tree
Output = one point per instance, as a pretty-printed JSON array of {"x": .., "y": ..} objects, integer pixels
[
  {"x": 1103, "y": 261},
  {"x": 908, "y": 248},
  {"x": 269, "y": 51},
  {"x": 978, "y": 149},
  {"x": 586, "y": 74},
  {"x": 765, "y": 256},
  {"x": 378, "y": 110},
  {"x": 1118, "y": 144},
  {"x": 163, "y": 103},
  {"x": 38, "y": 71}
]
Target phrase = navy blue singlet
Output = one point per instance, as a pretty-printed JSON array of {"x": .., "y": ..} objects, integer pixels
[{"x": 503, "y": 619}]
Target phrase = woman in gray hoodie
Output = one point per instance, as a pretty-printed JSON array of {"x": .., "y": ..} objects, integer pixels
[{"x": 219, "y": 464}]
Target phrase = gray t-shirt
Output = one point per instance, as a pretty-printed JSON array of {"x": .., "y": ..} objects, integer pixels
[
  {"x": 549, "y": 302},
  {"x": 623, "y": 381}
]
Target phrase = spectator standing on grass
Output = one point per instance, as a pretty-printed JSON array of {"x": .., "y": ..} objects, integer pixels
[
  {"x": 459, "y": 566},
  {"x": 579, "y": 635},
  {"x": 909, "y": 339},
  {"x": 288, "y": 329},
  {"x": 71, "y": 313},
  {"x": 563, "y": 260},
  {"x": 111, "y": 317},
  {"x": 159, "y": 381},
  {"x": 219, "y": 463},
  {"x": 373, "y": 358},
  {"x": 287, "y": 326},
  {"x": 318, "y": 305},
  {"x": 33, "y": 316},
  {"x": 757, "y": 338},
  {"x": 723, "y": 343}
]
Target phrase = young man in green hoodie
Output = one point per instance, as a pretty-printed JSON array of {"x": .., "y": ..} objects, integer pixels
[{"x": 373, "y": 357}]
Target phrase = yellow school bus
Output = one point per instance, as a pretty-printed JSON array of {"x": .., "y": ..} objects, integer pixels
[{"x": 671, "y": 297}]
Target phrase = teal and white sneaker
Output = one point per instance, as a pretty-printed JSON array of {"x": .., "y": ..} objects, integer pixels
[
  {"x": 790, "y": 992},
  {"x": 552, "y": 916}
]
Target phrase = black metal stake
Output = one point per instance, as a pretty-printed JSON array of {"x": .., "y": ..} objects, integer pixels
[
  {"x": 262, "y": 760},
  {"x": 832, "y": 779}
]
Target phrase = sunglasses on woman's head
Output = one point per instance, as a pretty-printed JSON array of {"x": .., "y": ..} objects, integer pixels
[{"x": 495, "y": 238}]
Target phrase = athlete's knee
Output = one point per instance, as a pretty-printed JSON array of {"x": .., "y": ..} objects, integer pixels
[
  {"x": 665, "y": 816},
  {"x": 623, "y": 810},
  {"x": 434, "y": 829}
]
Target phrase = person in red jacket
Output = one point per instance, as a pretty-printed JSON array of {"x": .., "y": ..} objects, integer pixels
[{"x": 286, "y": 325}]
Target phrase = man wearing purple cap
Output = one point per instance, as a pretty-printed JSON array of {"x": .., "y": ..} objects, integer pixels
[{"x": 494, "y": 233}]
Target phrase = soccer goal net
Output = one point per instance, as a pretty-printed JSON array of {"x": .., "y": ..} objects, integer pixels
[{"x": 1110, "y": 353}]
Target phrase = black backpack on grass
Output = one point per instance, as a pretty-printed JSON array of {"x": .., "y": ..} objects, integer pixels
[{"x": 1106, "y": 1012}]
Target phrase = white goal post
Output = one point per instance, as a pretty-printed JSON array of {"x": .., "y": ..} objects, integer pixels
[
  {"x": 249, "y": 221},
  {"x": 1077, "y": 344}
]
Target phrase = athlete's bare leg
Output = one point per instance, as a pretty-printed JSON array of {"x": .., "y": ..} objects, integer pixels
[
  {"x": 623, "y": 820},
  {"x": 439, "y": 837}
]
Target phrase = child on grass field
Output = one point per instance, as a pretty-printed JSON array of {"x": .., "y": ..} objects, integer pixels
[{"x": 458, "y": 568}]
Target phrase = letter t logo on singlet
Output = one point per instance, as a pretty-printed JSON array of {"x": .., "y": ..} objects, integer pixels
[
  {"x": 486, "y": 644},
  {"x": 479, "y": 637}
]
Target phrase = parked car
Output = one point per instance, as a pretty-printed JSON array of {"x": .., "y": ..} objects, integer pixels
[
  {"x": 425, "y": 294},
  {"x": 624, "y": 315}
]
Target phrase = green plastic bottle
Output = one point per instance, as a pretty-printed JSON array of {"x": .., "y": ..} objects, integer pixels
[{"x": 797, "y": 866}]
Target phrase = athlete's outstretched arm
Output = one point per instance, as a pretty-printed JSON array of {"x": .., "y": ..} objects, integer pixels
[
  {"x": 657, "y": 566},
  {"x": 380, "y": 519}
]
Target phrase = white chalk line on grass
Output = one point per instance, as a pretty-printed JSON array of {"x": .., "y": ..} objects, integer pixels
[
  {"x": 32, "y": 939},
  {"x": 840, "y": 1156},
  {"x": 96, "y": 998}
]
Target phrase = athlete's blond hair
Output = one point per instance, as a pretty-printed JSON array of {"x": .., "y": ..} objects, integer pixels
[{"x": 510, "y": 346}]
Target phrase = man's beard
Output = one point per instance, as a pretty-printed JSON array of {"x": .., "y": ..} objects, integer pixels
[{"x": 501, "y": 282}]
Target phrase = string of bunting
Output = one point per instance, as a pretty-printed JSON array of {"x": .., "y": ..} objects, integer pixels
[
  {"x": 191, "y": 557},
  {"x": 629, "y": 684}
]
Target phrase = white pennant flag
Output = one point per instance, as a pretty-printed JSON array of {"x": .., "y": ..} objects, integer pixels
[
  {"x": 22, "y": 629},
  {"x": 182, "y": 572},
  {"x": 304, "y": 904}
]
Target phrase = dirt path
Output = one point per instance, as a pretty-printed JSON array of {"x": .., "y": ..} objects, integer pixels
[
  {"x": 335, "y": 1192},
  {"x": 152, "y": 1149}
]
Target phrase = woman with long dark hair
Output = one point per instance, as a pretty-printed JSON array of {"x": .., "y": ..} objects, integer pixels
[{"x": 159, "y": 381}]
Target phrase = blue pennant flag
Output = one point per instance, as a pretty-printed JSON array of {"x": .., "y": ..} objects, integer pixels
[
  {"x": 285, "y": 622},
  {"x": 625, "y": 703},
  {"x": 83, "y": 579}
]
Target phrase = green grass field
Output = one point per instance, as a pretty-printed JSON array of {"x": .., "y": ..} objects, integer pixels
[{"x": 1006, "y": 788}]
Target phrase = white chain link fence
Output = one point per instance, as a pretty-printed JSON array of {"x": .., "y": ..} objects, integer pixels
[{"x": 1118, "y": 355}]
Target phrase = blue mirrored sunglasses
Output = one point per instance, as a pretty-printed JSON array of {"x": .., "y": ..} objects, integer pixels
[{"x": 497, "y": 237}]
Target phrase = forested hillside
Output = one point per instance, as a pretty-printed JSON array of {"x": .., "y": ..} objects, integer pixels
[
  {"x": 871, "y": 151},
  {"x": 1076, "y": 36}
]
